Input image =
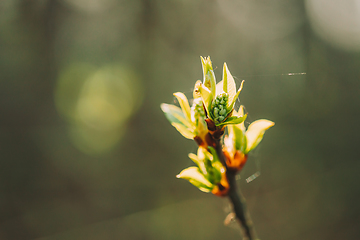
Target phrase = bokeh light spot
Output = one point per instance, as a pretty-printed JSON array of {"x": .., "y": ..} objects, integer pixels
[
  {"x": 337, "y": 22},
  {"x": 97, "y": 104}
]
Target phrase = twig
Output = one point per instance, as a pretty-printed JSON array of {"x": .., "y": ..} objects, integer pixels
[{"x": 237, "y": 201}]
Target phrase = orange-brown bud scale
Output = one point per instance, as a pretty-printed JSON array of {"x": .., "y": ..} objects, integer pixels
[
  {"x": 216, "y": 132},
  {"x": 210, "y": 124},
  {"x": 236, "y": 162},
  {"x": 209, "y": 140},
  {"x": 222, "y": 188},
  {"x": 199, "y": 141}
]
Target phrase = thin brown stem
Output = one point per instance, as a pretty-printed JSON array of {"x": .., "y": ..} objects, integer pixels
[{"x": 237, "y": 201}]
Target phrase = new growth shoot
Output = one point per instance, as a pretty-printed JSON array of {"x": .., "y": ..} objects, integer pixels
[{"x": 220, "y": 157}]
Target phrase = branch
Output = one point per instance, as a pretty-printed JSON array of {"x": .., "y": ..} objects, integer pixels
[{"x": 237, "y": 201}]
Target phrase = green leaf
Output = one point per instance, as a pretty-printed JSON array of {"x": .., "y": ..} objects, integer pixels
[
  {"x": 241, "y": 113},
  {"x": 255, "y": 133},
  {"x": 240, "y": 138},
  {"x": 214, "y": 154},
  {"x": 195, "y": 177},
  {"x": 233, "y": 120},
  {"x": 218, "y": 168}
]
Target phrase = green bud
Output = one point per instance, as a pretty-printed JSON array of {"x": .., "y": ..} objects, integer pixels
[
  {"x": 219, "y": 110},
  {"x": 223, "y": 112},
  {"x": 197, "y": 110},
  {"x": 216, "y": 112}
]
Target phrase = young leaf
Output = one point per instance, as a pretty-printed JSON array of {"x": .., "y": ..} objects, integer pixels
[
  {"x": 195, "y": 177},
  {"x": 199, "y": 162},
  {"x": 183, "y": 130},
  {"x": 184, "y": 104},
  {"x": 255, "y": 133},
  {"x": 229, "y": 85},
  {"x": 233, "y": 120},
  {"x": 209, "y": 76},
  {"x": 232, "y": 102},
  {"x": 175, "y": 115},
  {"x": 219, "y": 87},
  {"x": 206, "y": 95},
  {"x": 240, "y": 138},
  {"x": 170, "y": 110},
  {"x": 241, "y": 113}
]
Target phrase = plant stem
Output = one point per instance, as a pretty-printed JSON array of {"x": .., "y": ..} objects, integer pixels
[{"x": 236, "y": 199}]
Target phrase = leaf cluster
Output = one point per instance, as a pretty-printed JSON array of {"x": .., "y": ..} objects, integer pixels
[{"x": 211, "y": 115}]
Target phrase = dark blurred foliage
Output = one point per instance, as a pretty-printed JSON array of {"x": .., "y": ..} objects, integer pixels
[{"x": 86, "y": 153}]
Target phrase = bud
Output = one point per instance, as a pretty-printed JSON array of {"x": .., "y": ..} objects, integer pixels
[
  {"x": 209, "y": 174},
  {"x": 189, "y": 121},
  {"x": 219, "y": 109},
  {"x": 208, "y": 73},
  {"x": 239, "y": 141},
  {"x": 219, "y": 99}
]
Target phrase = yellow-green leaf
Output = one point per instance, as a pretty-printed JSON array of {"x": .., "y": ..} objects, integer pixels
[
  {"x": 206, "y": 95},
  {"x": 171, "y": 111},
  {"x": 229, "y": 140},
  {"x": 184, "y": 104},
  {"x": 206, "y": 64},
  {"x": 239, "y": 138},
  {"x": 233, "y": 120},
  {"x": 229, "y": 85},
  {"x": 194, "y": 158},
  {"x": 255, "y": 133},
  {"x": 194, "y": 176},
  {"x": 199, "y": 162},
  {"x": 201, "y": 128},
  {"x": 175, "y": 115},
  {"x": 196, "y": 93},
  {"x": 209, "y": 76},
  {"x": 184, "y": 130},
  {"x": 239, "y": 114},
  {"x": 217, "y": 166},
  {"x": 232, "y": 102},
  {"x": 219, "y": 88}
]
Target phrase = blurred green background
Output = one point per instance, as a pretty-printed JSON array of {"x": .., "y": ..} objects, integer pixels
[{"x": 86, "y": 153}]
